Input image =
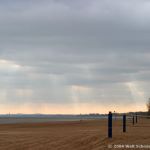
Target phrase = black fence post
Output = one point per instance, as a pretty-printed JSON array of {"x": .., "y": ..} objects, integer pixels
[
  {"x": 133, "y": 120},
  {"x": 110, "y": 125},
  {"x": 124, "y": 123},
  {"x": 136, "y": 118}
]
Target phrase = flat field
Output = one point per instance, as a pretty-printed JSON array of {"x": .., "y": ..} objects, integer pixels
[{"x": 73, "y": 135}]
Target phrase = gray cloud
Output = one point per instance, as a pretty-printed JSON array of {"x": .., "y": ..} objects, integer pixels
[{"x": 59, "y": 51}]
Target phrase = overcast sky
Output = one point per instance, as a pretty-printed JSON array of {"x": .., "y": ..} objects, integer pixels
[{"x": 74, "y": 56}]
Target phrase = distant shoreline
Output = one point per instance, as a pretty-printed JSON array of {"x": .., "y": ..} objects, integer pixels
[{"x": 14, "y": 120}]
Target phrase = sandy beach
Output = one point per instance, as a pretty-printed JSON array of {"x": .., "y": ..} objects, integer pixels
[{"x": 73, "y": 135}]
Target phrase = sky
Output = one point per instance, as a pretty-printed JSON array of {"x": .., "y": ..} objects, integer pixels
[{"x": 74, "y": 56}]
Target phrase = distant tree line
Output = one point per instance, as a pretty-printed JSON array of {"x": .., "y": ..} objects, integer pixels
[{"x": 148, "y": 106}]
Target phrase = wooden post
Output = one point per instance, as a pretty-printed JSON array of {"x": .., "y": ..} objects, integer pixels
[
  {"x": 110, "y": 125},
  {"x": 136, "y": 118},
  {"x": 133, "y": 120},
  {"x": 124, "y": 123}
]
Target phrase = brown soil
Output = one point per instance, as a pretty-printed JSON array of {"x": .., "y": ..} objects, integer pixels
[{"x": 75, "y": 135}]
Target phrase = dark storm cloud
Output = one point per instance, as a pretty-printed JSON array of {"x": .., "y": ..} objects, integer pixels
[{"x": 52, "y": 46}]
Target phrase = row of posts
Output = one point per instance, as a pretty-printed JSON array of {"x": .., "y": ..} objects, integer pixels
[{"x": 134, "y": 120}]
